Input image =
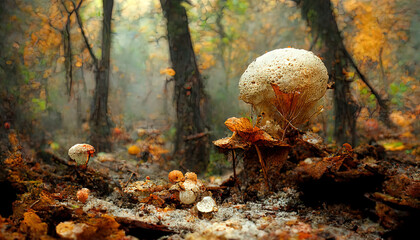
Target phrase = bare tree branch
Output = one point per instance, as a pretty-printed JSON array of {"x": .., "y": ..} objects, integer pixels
[
  {"x": 314, "y": 42},
  {"x": 67, "y": 45},
  {"x": 68, "y": 57},
  {"x": 79, "y": 21},
  {"x": 384, "y": 109}
]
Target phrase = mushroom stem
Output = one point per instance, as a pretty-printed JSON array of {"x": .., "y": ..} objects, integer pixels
[
  {"x": 87, "y": 160},
  {"x": 284, "y": 132},
  {"x": 262, "y": 166},
  {"x": 234, "y": 164}
]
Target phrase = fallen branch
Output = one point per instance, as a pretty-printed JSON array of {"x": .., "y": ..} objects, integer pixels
[{"x": 196, "y": 136}]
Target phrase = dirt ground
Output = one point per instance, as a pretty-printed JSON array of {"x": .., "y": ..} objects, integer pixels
[{"x": 318, "y": 193}]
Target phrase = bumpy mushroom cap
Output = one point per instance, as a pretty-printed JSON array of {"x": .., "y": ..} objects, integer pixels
[
  {"x": 187, "y": 197},
  {"x": 292, "y": 70},
  {"x": 83, "y": 195},
  {"x": 191, "y": 176},
  {"x": 81, "y": 153},
  {"x": 207, "y": 205},
  {"x": 175, "y": 176},
  {"x": 70, "y": 230}
]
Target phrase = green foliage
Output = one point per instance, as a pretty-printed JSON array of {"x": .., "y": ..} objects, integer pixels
[
  {"x": 312, "y": 15},
  {"x": 364, "y": 91},
  {"x": 39, "y": 105},
  {"x": 27, "y": 75},
  {"x": 372, "y": 101},
  {"x": 237, "y": 6},
  {"x": 218, "y": 164},
  {"x": 395, "y": 88},
  {"x": 396, "y": 92},
  {"x": 170, "y": 134}
]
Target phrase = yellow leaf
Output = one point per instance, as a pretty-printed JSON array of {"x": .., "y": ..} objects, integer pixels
[
  {"x": 47, "y": 73},
  {"x": 79, "y": 64},
  {"x": 393, "y": 145},
  {"x": 35, "y": 85},
  {"x": 168, "y": 71}
]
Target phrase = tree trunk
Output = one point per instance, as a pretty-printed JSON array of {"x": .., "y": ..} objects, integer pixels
[
  {"x": 192, "y": 142},
  {"x": 320, "y": 18},
  {"x": 100, "y": 122}
]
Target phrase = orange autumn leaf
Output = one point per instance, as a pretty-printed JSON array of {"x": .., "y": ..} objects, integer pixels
[
  {"x": 239, "y": 124},
  {"x": 295, "y": 107},
  {"x": 243, "y": 127},
  {"x": 168, "y": 71},
  {"x": 245, "y": 135},
  {"x": 33, "y": 225},
  {"x": 286, "y": 103},
  {"x": 231, "y": 143}
]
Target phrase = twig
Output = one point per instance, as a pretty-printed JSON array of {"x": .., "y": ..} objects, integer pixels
[
  {"x": 33, "y": 204},
  {"x": 147, "y": 96},
  {"x": 195, "y": 136},
  {"x": 262, "y": 166},
  {"x": 314, "y": 42},
  {"x": 126, "y": 184},
  {"x": 212, "y": 188},
  {"x": 284, "y": 131},
  {"x": 234, "y": 163}
]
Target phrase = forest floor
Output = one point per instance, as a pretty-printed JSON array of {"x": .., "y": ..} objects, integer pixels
[{"x": 361, "y": 193}]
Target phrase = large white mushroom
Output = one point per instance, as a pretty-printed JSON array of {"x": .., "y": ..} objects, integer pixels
[{"x": 300, "y": 78}]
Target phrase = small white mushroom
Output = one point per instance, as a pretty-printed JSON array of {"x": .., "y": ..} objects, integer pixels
[
  {"x": 206, "y": 205},
  {"x": 187, "y": 197},
  {"x": 191, "y": 185},
  {"x": 81, "y": 153}
]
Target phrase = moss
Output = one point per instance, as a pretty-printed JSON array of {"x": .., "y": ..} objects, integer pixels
[{"x": 218, "y": 164}]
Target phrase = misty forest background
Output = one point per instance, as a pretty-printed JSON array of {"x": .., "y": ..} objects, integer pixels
[{"x": 99, "y": 71}]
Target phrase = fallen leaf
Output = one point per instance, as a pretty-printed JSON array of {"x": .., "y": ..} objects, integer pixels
[
  {"x": 33, "y": 225},
  {"x": 245, "y": 135},
  {"x": 231, "y": 143}
]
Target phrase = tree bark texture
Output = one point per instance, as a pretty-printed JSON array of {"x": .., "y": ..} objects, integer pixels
[
  {"x": 189, "y": 97},
  {"x": 320, "y": 18},
  {"x": 100, "y": 122}
]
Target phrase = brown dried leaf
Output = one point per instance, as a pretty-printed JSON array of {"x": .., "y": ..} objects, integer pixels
[
  {"x": 385, "y": 198},
  {"x": 231, "y": 143},
  {"x": 244, "y": 135},
  {"x": 104, "y": 227},
  {"x": 268, "y": 141},
  {"x": 316, "y": 168},
  {"x": 243, "y": 127},
  {"x": 33, "y": 225},
  {"x": 286, "y": 103},
  {"x": 254, "y": 135}
]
